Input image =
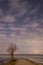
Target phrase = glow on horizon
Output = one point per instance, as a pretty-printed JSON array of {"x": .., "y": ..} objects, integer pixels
[{"x": 37, "y": 52}]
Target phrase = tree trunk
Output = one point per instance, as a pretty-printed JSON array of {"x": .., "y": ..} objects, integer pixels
[{"x": 12, "y": 56}]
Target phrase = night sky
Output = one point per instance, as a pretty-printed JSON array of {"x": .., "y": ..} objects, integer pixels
[{"x": 21, "y": 22}]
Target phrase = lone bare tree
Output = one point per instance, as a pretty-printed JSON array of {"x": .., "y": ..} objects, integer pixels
[{"x": 11, "y": 50}]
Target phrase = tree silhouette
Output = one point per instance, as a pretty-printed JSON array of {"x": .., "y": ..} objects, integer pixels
[{"x": 11, "y": 50}]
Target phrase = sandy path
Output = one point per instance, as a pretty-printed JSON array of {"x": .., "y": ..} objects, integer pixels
[{"x": 22, "y": 62}]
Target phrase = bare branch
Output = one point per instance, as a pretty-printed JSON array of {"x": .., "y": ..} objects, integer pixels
[{"x": 12, "y": 48}]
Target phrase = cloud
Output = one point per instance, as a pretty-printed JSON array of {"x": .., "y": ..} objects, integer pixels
[
  {"x": 14, "y": 3},
  {"x": 33, "y": 11},
  {"x": 17, "y": 9},
  {"x": 1, "y": 12},
  {"x": 26, "y": 42},
  {"x": 8, "y": 18},
  {"x": 32, "y": 45}
]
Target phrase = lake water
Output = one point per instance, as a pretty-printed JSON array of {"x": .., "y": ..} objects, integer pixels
[{"x": 34, "y": 57}]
